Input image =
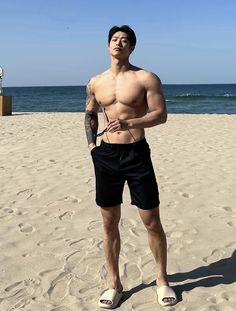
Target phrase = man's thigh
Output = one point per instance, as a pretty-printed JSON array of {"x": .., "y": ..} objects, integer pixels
[
  {"x": 142, "y": 181},
  {"x": 109, "y": 183}
]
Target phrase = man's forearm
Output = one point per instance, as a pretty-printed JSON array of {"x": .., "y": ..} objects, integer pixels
[
  {"x": 151, "y": 119},
  {"x": 91, "y": 126}
]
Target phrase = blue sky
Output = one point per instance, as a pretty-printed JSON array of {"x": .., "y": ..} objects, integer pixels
[{"x": 64, "y": 42}]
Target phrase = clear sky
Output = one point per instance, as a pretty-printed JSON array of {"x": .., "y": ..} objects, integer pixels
[{"x": 64, "y": 42}]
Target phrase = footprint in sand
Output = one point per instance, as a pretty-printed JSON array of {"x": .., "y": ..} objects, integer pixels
[
  {"x": 82, "y": 244},
  {"x": 86, "y": 289},
  {"x": 173, "y": 204},
  {"x": 95, "y": 225},
  {"x": 13, "y": 286},
  {"x": 127, "y": 223},
  {"x": 128, "y": 248},
  {"x": 186, "y": 195},
  {"x": 179, "y": 234},
  {"x": 26, "y": 228},
  {"x": 134, "y": 232},
  {"x": 44, "y": 273},
  {"x": 59, "y": 287},
  {"x": 8, "y": 210},
  {"x": 66, "y": 216},
  {"x": 25, "y": 194},
  {"x": 228, "y": 296},
  {"x": 231, "y": 223},
  {"x": 20, "y": 294},
  {"x": 223, "y": 298},
  {"x": 216, "y": 254},
  {"x": 227, "y": 209},
  {"x": 72, "y": 199},
  {"x": 99, "y": 245},
  {"x": 215, "y": 215}
]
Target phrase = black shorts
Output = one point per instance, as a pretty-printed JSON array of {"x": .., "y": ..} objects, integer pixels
[{"x": 116, "y": 163}]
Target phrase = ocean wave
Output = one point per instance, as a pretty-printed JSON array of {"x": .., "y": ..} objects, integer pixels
[
  {"x": 191, "y": 96},
  {"x": 228, "y": 95}
]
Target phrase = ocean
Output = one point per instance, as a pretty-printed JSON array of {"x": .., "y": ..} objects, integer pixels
[{"x": 180, "y": 98}]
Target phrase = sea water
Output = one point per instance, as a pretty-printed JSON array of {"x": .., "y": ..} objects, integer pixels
[{"x": 180, "y": 98}]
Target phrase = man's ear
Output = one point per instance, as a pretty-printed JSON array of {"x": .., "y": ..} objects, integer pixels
[{"x": 131, "y": 49}]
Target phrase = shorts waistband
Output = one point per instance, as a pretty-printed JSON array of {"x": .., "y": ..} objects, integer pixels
[{"x": 115, "y": 146}]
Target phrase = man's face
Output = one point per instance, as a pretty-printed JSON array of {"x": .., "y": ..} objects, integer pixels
[{"x": 119, "y": 45}]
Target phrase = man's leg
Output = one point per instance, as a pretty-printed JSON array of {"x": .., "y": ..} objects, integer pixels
[
  {"x": 157, "y": 242},
  {"x": 111, "y": 244}
]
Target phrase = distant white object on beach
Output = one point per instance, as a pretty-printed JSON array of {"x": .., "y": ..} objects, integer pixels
[{"x": 1, "y": 78}]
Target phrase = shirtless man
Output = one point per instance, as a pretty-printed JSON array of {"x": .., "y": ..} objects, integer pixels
[{"x": 132, "y": 100}]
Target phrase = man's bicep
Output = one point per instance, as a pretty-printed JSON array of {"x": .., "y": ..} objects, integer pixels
[
  {"x": 156, "y": 102},
  {"x": 91, "y": 102},
  {"x": 155, "y": 96}
]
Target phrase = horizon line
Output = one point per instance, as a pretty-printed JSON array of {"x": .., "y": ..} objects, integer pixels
[{"x": 85, "y": 84}]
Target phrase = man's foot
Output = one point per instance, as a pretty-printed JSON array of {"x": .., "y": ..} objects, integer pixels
[
  {"x": 110, "y": 299},
  {"x": 166, "y": 296}
]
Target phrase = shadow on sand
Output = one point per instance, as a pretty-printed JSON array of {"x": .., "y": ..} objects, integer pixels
[{"x": 222, "y": 271}]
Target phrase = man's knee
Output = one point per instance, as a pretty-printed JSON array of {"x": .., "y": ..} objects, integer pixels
[
  {"x": 151, "y": 219},
  {"x": 154, "y": 225},
  {"x": 110, "y": 226},
  {"x": 111, "y": 220}
]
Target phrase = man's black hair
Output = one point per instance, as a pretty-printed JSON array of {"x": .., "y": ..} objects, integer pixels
[{"x": 125, "y": 28}]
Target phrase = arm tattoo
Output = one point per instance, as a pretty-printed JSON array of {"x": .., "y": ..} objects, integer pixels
[
  {"x": 91, "y": 126},
  {"x": 88, "y": 91}
]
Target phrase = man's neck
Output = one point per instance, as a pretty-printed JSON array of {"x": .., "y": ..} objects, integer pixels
[{"x": 118, "y": 66}]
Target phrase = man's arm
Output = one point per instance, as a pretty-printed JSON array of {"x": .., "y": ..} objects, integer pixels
[
  {"x": 91, "y": 116},
  {"x": 156, "y": 103}
]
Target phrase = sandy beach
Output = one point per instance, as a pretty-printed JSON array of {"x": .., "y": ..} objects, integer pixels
[{"x": 51, "y": 255}]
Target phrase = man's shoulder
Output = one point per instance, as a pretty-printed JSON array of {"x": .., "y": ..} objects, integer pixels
[
  {"x": 145, "y": 73},
  {"x": 97, "y": 78},
  {"x": 146, "y": 76}
]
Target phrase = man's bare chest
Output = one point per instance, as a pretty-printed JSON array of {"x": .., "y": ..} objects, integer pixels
[{"x": 125, "y": 92}]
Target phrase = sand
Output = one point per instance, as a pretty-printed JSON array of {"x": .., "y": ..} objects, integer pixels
[{"x": 51, "y": 255}]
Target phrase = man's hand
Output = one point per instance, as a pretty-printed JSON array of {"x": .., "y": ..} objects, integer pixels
[
  {"x": 117, "y": 125},
  {"x": 91, "y": 146}
]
